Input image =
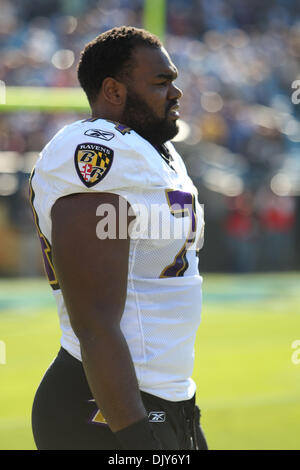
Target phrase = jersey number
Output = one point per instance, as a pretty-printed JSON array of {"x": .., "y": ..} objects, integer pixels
[
  {"x": 46, "y": 247},
  {"x": 181, "y": 205}
]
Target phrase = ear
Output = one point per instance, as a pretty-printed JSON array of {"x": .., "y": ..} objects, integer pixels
[{"x": 114, "y": 91}]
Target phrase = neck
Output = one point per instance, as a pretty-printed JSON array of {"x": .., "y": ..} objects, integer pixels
[{"x": 102, "y": 112}]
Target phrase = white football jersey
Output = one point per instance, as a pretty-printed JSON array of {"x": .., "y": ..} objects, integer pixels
[{"x": 163, "y": 304}]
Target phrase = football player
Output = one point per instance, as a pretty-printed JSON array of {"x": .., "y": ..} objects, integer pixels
[{"x": 129, "y": 306}]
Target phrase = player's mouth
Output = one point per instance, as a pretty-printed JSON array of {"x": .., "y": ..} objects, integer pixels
[{"x": 174, "y": 111}]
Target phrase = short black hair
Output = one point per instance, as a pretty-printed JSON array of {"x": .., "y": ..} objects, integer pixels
[{"x": 110, "y": 55}]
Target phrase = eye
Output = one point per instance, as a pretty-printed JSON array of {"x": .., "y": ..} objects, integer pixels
[{"x": 162, "y": 84}]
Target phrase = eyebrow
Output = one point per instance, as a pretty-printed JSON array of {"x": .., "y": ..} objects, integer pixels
[{"x": 168, "y": 76}]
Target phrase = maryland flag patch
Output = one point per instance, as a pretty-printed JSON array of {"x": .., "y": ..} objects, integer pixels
[{"x": 92, "y": 162}]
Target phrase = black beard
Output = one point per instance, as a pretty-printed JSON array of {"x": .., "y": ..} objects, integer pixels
[{"x": 140, "y": 117}]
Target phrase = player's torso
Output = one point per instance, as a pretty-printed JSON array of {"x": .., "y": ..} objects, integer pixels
[
  {"x": 163, "y": 304},
  {"x": 169, "y": 226},
  {"x": 102, "y": 156}
]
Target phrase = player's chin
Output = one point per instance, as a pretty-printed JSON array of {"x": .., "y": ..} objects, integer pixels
[
  {"x": 174, "y": 126},
  {"x": 172, "y": 120},
  {"x": 168, "y": 129},
  {"x": 172, "y": 131}
]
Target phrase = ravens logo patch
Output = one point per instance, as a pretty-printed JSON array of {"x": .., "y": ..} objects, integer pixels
[{"x": 92, "y": 162}]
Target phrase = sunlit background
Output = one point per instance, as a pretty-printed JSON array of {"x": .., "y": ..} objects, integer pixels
[{"x": 239, "y": 69}]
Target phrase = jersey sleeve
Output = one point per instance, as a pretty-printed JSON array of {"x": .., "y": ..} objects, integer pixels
[{"x": 77, "y": 162}]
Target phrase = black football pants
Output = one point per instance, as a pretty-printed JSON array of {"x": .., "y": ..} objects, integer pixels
[{"x": 65, "y": 416}]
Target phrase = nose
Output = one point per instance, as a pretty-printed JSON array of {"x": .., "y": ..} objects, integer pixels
[{"x": 174, "y": 92}]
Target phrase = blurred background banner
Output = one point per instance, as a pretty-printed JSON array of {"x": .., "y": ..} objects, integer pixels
[
  {"x": 155, "y": 17},
  {"x": 239, "y": 69}
]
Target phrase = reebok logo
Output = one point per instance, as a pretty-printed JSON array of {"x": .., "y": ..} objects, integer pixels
[
  {"x": 157, "y": 417},
  {"x": 99, "y": 134}
]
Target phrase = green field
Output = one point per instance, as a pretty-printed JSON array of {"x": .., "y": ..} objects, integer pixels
[{"x": 248, "y": 386}]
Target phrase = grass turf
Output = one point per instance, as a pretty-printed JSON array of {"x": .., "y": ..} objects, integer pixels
[{"x": 248, "y": 386}]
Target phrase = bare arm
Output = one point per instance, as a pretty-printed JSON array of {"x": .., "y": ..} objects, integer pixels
[{"x": 92, "y": 274}]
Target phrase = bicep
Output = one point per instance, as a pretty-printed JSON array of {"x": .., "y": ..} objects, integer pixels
[{"x": 92, "y": 271}]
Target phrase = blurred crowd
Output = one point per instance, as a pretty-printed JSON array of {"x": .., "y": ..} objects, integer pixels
[{"x": 240, "y": 134}]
